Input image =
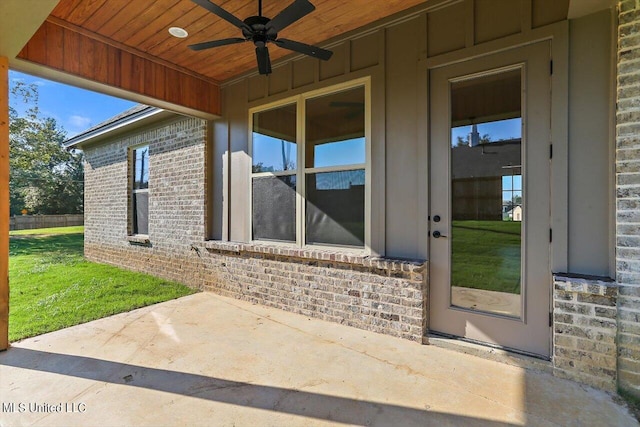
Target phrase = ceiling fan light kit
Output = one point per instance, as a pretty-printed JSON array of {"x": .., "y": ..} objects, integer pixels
[{"x": 261, "y": 30}]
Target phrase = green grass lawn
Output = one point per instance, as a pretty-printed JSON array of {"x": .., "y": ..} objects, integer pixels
[
  {"x": 632, "y": 401},
  {"x": 53, "y": 287},
  {"x": 486, "y": 255},
  {"x": 54, "y": 230}
]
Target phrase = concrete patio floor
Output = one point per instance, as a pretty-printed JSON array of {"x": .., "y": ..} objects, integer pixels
[{"x": 209, "y": 360}]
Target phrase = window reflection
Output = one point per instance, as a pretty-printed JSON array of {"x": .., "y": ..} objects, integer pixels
[
  {"x": 141, "y": 168},
  {"x": 335, "y": 129},
  {"x": 486, "y": 193},
  {"x": 274, "y": 140},
  {"x": 333, "y": 169},
  {"x": 274, "y": 208},
  {"x": 335, "y": 198},
  {"x": 347, "y": 152},
  {"x": 140, "y": 192},
  {"x": 335, "y": 208}
]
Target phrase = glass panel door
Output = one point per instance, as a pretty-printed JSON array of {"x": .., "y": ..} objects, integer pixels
[{"x": 489, "y": 202}]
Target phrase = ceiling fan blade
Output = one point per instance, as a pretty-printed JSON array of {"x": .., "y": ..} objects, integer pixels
[
  {"x": 215, "y": 43},
  {"x": 264, "y": 63},
  {"x": 217, "y": 10},
  {"x": 289, "y": 15},
  {"x": 306, "y": 49}
]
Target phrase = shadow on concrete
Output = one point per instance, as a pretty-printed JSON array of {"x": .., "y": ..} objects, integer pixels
[{"x": 283, "y": 400}]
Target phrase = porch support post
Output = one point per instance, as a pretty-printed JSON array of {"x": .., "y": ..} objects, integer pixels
[{"x": 4, "y": 203}]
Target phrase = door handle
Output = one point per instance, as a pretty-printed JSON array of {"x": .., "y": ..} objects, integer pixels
[{"x": 436, "y": 234}]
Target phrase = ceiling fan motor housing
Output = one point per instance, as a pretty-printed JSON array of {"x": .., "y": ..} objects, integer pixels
[{"x": 258, "y": 25}]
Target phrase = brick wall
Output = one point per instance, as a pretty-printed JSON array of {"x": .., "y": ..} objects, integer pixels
[
  {"x": 628, "y": 195},
  {"x": 176, "y": 201},
  {"x": 584, "y": 330},
  {"x": 378, "y": 295}
]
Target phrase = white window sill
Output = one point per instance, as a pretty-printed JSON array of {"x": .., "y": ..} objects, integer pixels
[{"x": 139, "y": 239}]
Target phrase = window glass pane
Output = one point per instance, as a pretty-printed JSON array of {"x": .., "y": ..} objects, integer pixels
[
  {"x": 274, "y": 208},
  {"x": 349, "y": 152},
  {"x": 141, "y": 213},
  {"x": 335, "y": 208},
  {"x": 274, "y": 140},
  {"x": 141, "y": 168},
  {"x": 517, "y": 182},
  {"x": 486, "y": 194},
  {"x": 335, "y": 129},
  {"x": 507, "y": 183}
]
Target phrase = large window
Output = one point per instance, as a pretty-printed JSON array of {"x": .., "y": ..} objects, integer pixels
[
  {"x": 140, "y": 190},
  {"x": 309, "y": 170}
]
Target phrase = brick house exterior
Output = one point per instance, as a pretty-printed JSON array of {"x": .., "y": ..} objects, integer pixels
[
  {"x": 199, "y": 177},
  {"x": 380, "y": 295},
  {"x": 628, "y": 196}
]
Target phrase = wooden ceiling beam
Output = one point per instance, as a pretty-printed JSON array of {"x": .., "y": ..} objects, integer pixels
[
  {"x": 73, "y": 50},
  {"x": 123, "y": 47}
]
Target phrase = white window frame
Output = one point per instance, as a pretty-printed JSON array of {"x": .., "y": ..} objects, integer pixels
[
  {"x": 301, "y": 170},
  {"x": 133, "y": 191}
]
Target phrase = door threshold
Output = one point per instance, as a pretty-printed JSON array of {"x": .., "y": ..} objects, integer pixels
[{"x": 487, "y": 351}]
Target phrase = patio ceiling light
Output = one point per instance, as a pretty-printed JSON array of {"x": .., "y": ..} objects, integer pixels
[{"x": 178, "y": 32}]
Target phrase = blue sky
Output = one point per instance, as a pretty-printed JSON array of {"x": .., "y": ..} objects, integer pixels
[
  {"x": 502, "y": 129},
  {"x": 78, "y": 109},
  {"x": 73, "y": 108},
  {"x": 268, "y": 151}
]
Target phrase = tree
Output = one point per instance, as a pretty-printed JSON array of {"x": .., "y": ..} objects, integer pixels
[
  {"x": 45, "y": 178},
  {"x": 463, "y": 142}
]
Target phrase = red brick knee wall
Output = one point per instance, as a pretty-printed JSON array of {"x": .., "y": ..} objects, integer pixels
[{"x": 378, "y": 295}]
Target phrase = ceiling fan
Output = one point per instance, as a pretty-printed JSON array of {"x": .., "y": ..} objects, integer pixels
[{"x": 261, "y": 30}]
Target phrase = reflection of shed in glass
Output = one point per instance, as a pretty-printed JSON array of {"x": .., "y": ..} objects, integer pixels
[
  {"x": 477, "y": 180},
  {"x": 479, "y": 165},
  {"x": 514, "y": 214}
]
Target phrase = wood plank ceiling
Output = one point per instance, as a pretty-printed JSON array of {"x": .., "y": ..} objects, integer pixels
[{"x": 142, "y": 25}]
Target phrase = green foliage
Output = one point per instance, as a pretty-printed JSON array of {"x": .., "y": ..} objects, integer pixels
[
  {"x": 53, "y": 287},
  {"x": 462, "y": 142},
  {"x": 45, "y": 177}
]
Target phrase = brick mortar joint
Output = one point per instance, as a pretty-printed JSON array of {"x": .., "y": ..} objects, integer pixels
[
  {"x": 322, "y": 255},
  {"x": 586, "y": 286},
  {"x": 613, "y": 329}
]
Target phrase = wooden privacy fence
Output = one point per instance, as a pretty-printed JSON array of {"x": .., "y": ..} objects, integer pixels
[{"x": 28, "y": 222}]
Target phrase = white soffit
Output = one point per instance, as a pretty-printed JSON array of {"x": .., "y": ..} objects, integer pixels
[{"x": 579, "y": 8}]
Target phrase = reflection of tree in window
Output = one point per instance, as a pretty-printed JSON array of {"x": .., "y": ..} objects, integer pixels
[
  {"x": 333, "y": 155},
  {"x": 142, "y": 168},
  {"x": 335, "y": 169},
  {"x": 486, "y": 183},
  {"x": 274, "y": 164},
  {"x": 140, "y": 192}
]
